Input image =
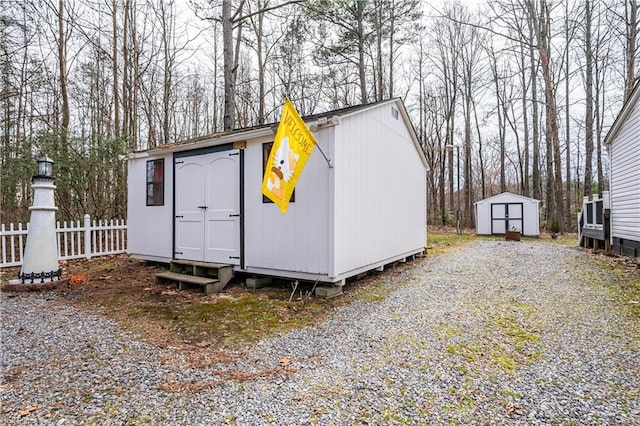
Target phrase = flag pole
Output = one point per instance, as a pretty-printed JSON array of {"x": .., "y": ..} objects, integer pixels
[{"x": 328, "y": 160}]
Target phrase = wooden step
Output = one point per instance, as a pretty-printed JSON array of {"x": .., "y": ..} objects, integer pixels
[
  {"x": 210, "y": 285},
  {"x": 199, "y": 263},
  {"x": 221, "y": 271}
]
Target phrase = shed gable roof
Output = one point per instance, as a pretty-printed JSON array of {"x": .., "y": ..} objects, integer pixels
[{"x": 507, "y": 194}]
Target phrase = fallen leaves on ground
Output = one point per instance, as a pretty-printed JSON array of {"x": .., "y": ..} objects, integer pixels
[{"x": 27, "y": 410}]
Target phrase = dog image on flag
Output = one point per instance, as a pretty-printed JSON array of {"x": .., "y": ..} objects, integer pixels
[{"x": 284, "y": 162}]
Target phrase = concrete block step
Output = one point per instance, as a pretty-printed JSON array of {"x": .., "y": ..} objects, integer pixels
[
  {"x": 220, "y": 271},
  {"x": 210, "y": 285},
  {"x": 327, "y": 292},
  {"x": 259, "y": 282}
]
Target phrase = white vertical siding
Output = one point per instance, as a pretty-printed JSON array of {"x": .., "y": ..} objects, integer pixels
[
  {"x": 625, "y": 179},
  {"x": 531, "y": 222},
  {"x": 296, "y": 241},
  {"x": 150, "y": 228},
  {"x": 380, "y": 190},
  {"x": 483, "y": 218}
]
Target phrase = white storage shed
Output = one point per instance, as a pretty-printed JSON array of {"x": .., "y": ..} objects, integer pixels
[
  {"x": 361, "y": 207},
  {"x": 623, "y": 143},
  {"x": 508, "y": 212}
]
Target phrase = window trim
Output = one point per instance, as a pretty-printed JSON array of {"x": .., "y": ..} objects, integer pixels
[{"x": 156, "y": 184}]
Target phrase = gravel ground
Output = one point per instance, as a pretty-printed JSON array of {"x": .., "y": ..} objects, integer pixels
[{"x": 493, "y": 333}]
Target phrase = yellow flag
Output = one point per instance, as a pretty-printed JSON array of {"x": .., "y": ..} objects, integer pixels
[{"x": 290, "y": 151}]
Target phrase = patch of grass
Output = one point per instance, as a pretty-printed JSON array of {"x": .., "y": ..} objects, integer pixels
[
  {"x": 447, "y": 331},
  {"x": 510, "y": 394},
  {"x": 624, "y": 287},
  {"x": 517, "y": 335},
  {"x": 230, "y": 319},
  {"x": 503, "y": 360},
  {"x": 443, "y": 240},
  {"x": 468, "y": 352},
  {"x": 439, "y": 242},
  {"x": 509, "y": 340},
  {"x": 569, "y": 239}
]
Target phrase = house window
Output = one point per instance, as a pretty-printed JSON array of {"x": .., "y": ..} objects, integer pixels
[
  {"x": 394, "y": 113},
  {"x": 155, "y": 182},
  {"x": 266, "y": 150}
]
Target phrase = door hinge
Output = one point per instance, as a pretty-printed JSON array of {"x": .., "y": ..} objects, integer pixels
[
  {"x": 178, "y": 217},
  {"x": 234, "y": 257},
  {"x": 179, "y": 162},
  {"x": 234, "y": 215},
  {"x": 177, "y": 252},
  {"x": 235, "y": 153},
  {"x": 203, "y": 207}
]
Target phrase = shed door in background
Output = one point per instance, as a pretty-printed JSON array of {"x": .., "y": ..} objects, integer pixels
[
  {"x": 207, "y": 222},
  {"x": 506, "y": 216}
]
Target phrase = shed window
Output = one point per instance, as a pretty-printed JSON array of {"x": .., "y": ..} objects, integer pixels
[
  {"x": 266, "y": 150},
  {"x": 155, "y": 182}
]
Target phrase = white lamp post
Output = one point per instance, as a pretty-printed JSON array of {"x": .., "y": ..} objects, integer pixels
[{"x": 40, "y": 263}]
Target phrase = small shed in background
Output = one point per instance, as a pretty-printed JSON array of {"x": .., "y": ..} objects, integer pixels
[{"x": 508, "y": 212}]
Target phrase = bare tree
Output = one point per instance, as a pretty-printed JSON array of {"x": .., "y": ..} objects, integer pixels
[
  {"x": 500, "y": 109},
  {"x": 471, "y": 43},
  {"x": 588, "y": 121},
  {"x": 631, "y": 48},
  {"x": 345, "y": 37}
]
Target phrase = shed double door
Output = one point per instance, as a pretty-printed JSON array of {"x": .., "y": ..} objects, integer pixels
[
  {"x": 506, "y": 217},
  {"x": 207, "y": 212}
]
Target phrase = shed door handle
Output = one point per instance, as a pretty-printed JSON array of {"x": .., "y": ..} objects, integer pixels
[{"x": 202, "y": 207}]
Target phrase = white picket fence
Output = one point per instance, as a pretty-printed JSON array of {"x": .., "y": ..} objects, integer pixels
[{"x": 78, "y": 239}]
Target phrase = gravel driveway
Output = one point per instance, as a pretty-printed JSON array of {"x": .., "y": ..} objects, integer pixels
[{"x": 494, "y": 333}]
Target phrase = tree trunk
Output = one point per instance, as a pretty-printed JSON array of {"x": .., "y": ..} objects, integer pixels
[
  {"x": 362, "y": 71},
  {"x": 598, "y": 90},
  {"x": 525, "y": 122},
  {"x": 501, "y": 126},
  {"x": 468, "y": 184},
  {"x": 443, "y": 214},
  {"x": 261, "y": 66},
  {"x": 63, "y": 192},
  {"x": 535, "y": 121},
  {"x": 482, "y": 178},
  {"x": 631, "y": 9},
  {"x": 567, "y": 117},
  {"x": 114, "y": 61},
  {"x": 552, "y": 127},
  {"x": 167, "y": 39},
  {"x": 228, "y": 67},
  {"x": 391, "y": 51},
  {"x": 588, "y": 120}
]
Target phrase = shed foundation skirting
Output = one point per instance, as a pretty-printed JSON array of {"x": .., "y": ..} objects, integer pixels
[
  {"x": 626, "y": 247},
  {"x": 325, "y": 278},
  {"x": 150, "y": 258}
]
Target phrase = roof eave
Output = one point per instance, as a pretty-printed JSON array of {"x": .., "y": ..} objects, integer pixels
[{"x": 213, "y": 140}]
